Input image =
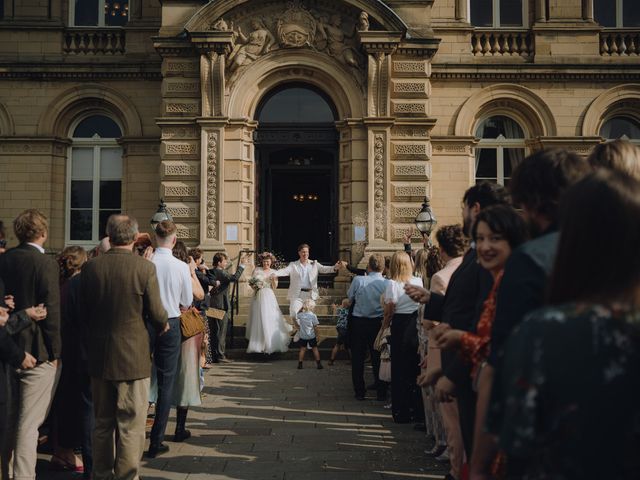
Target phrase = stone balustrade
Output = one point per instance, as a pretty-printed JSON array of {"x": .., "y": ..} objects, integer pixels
[
  {"x": 513, "y": 43},
  {"x": 94, "y": 41},
  {"x": 620, "y": 42}
]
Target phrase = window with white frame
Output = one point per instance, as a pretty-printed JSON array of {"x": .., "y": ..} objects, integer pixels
[
  {"x": 617, "y": 13},
  {"x": 98, "y": 13},
  {"x": 94, "y": 179},
  {"x": 498, "y": 13},
  {"x": 500, "y": 149},
  {"x": 623, "y": 127}
]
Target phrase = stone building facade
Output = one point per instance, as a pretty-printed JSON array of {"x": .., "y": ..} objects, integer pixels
[{"x": 104, "y": 113}]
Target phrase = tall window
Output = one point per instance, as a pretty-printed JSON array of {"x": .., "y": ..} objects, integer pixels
[
  {"x": 94, "y": 188},
  {"x": 617, "y": 13},
  {"x": 500, "y": 149},
  {"x": 497, "y": 13},
  {"x": 98, "y": 13},
  {"x": 621, "y": 126}
]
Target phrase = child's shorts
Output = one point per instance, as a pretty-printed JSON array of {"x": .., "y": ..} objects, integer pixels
[
  {"x": 342, "y": 336},
  {"x": 309, "y": 343}
]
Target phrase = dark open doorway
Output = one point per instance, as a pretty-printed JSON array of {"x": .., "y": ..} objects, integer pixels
[{"x": 297, "y": 156}]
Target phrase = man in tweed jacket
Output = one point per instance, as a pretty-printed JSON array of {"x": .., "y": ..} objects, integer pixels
[{"x": 120, "y": 295}]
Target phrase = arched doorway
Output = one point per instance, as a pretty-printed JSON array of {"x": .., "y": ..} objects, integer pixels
[{"x": 296, "y": 147}]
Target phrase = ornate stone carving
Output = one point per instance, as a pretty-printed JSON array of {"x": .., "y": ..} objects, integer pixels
[
  {"x": 181, "y": 169},
  {"x": 174, "y": 66},
  {"x": 410, "y": 190},
  {"x": 411, "y": 170},
  {"x": 181, "y": 148},
  {"x": 405, "y": 212},
  {"x": 411, "y": 68},
  {"x": 182, "y": 87},
  {"x": 182, "y": 108},
  {"x": 363, "y": 22},
  {"x": 26, "y": 148},
  {"x": 378, "y": 185},
  {"x": 409, "y": 132},
  {"x": 179, "y": 190},
  {"x": 212, "y": 185},
  {"x": 296, "y": 27},
  {"x": 410, "y": 108},
  {"x": 186, "y": 231},
  {"x": 249, "y": 48},
  {"x": 178, "y": 132},
  {"x": 418, "y": 150},
  {"x": 183, "y": 212}
]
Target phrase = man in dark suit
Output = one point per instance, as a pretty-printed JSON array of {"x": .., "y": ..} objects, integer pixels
[
  {"x": 221, "y": 279},
  {"x": 32, "y": 278},
  {"x": 120, "y": 295}
]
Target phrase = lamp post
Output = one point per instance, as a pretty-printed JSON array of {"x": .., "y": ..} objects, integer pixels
[
  {"x": 160, "y": 215},
  {"x": 425, "y": 220}
]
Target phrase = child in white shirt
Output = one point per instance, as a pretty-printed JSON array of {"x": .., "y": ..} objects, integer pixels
[{"x": 308, "y": 333}]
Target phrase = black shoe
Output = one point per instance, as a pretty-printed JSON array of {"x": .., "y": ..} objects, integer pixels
[
  {"x": 359, "y": 397},
  {"x": 181, "y": 436},
  {"x": 299, "y": 365},
  {"x": 320, "y": 367},
  {"x": 373, "y": 386},
  {"x": 420, "y": 427},
  {"x": 155, "y": 450}
]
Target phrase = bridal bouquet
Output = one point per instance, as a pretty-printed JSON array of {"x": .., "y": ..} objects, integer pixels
[{"x": 257, "y": 283}]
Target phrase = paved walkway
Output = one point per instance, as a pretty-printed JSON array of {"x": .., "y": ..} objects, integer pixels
[{"x": 268, "y": 420}]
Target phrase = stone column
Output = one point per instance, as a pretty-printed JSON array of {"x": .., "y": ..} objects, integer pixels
[
  {"x": 587, "y": 10},
  {"x": 541, "y": 11},
  {"x": 211, "y": 184},
  {"x": 462, "y": 13}
]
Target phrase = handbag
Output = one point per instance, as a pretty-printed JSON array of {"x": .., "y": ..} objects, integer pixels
[
  {"x": 191, "y": 323},
  {"x": 381, "y": 338},
  {"x": 216, "y": 313},
  {"x": 384, "y": 374}
]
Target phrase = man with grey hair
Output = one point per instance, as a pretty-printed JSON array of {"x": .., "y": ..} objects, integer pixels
[{"x": 120, "y": 297}]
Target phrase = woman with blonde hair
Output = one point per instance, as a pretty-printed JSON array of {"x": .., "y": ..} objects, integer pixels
[
  {"x": 620, "y": 155},
  {"x": 400, "y": 313}
]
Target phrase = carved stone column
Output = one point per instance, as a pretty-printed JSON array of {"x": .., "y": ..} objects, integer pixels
[{"x": 211, "y": 184}]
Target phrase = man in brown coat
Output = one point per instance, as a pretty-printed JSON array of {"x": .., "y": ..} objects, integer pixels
[{"x": 120, "y": 295}]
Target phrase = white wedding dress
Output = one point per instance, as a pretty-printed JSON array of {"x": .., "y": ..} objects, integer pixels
[{"x": 267, "y": 330}]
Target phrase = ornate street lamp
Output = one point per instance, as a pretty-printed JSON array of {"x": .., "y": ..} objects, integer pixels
[
  {"x": 426, "y": 220},
  {"x": 161, "y": 215}
]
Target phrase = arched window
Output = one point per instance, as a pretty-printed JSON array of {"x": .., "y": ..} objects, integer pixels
[
  {"x": 498, "y": 13},
  {"x": 94, "y": 178},
  {"x": 621, "y": 126},
  {"x": 500, "y": 149},
  {"x": 296, "y": 104}
]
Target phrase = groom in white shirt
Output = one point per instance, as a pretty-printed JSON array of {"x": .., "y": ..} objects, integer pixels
[{"x": 303, "y": 279}]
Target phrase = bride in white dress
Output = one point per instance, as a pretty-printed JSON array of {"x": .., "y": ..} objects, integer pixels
[{"x": 267, "y": 330}]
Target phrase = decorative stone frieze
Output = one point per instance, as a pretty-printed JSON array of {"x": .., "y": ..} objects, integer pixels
[
  {"x": 181, "y": 148},
  {"x": 404, "y": 150},
  {"x": 182, "y": 108},
  {"x": 178, "y": 133},
  {"x": 187, "y": 232},
  {"x": 180, "y": 169},
  {"x": 212, "y": 185},
  {"x": 405, "y": 191},
  {"x": 413, "y": 169},
  {"x": 410, "y": 108},
  {"x": 405, "y": 212},
  {"x": 178, "y": 88},
  {"x": 408, "y": 132},
  {"x": 179, "y": 189},
  {"x": 179, "y": 67},
  {"x": 411, "y": 88},
  {"x": 411, "y": 68},
  {"x": 379, "y": 186},
  {"x": 183, "y": 211}
]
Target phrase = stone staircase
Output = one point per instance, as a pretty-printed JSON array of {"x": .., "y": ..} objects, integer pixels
[{"x": 333, "y": 289}]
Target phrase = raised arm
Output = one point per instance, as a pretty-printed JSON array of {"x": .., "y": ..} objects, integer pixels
[{"x": 283, "y": 272}]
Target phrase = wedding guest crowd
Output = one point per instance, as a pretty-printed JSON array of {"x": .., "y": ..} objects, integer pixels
[{"x": 514, "y": 341}]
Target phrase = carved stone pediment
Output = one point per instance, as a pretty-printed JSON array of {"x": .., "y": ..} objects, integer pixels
[{"x": 325, "y": 26}]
